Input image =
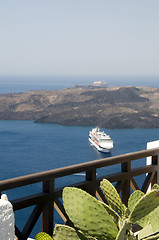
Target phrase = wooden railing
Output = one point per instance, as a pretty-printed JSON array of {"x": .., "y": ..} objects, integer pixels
[{"x": 45, "y": 201}]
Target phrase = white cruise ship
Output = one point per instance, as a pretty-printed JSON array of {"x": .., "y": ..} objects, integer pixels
[{"x": 100, "y": 140}]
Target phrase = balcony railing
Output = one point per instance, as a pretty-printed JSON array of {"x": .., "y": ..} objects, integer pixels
[{"x": 45, "y": 201}]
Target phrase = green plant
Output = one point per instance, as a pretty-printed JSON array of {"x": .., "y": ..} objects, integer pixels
[{"x": 93, "y": 219}]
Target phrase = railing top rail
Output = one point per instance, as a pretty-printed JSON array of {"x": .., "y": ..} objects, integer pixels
[{"x": 68, "y": 170}]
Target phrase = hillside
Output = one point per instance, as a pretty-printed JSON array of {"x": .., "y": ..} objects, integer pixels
[{"x": 112, "y": 107}]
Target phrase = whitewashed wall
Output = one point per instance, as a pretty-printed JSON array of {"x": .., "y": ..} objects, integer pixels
[{"x": 6, "y": 219}]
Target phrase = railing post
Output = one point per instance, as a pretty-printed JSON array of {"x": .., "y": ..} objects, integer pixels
[
  {"x": 155, "y": 161},
  {"x": 91, "y": 176},
  {"x": 48, "y": 212},
  {"x": 125, "y": 191}
]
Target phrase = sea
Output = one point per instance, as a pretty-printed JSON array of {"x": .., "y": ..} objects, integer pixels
[{"x": 27, "y": 147}]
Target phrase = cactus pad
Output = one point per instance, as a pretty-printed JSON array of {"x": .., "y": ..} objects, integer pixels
[
  {"x": 134, "y": 198},
  {"x": 112, "y": 197},
  {"x": 146, "y": 231},
  {"x": 154, "y": 219},
  {"x": 145, "y": 205},
  {"x": 62, "y": 232},
  {"x": 116, "y": 218},
  {"x": 155, "y": 186},
  {"x": 147, "y": 234},
  {"x": 153, "y": 237},
  {"x": 43, "y": 236},
  {"x": 88, "y": 214}
]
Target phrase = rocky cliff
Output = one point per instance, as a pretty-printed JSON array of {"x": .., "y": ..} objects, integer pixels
[{"x": 112, "y": 107}]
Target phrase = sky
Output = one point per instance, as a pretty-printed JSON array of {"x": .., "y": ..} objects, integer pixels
[{"x": 79, "y": 37}]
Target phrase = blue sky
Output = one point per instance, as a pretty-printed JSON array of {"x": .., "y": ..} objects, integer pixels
[{"x": 79, "y": 37}]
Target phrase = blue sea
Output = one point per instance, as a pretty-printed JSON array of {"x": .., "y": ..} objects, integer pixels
[{"x": 27, "y": 147}]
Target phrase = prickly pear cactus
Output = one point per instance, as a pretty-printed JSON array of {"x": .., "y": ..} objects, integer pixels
[
  {"x": 154, "y": 215},
  {"x": 154, "y": 237},
  {"x": 155, "y": 186},
  {"x": 147, "y": 233},
  {"x": 134, "y": 198},
  {"x": 145, "y": 205},
  {"x": 42, "y": 236},
  {"x": 132, "y": 201},
  {"x": 116, "y": 218},
  {"x": 88, "y": 214},
  {"x": 94, "y": 220},
  {"x": 154, "y": 219},
  {"x": 124, "y": 230},
  {"x": 62, "y": 232},
  {"x": 112, "y": 197}
]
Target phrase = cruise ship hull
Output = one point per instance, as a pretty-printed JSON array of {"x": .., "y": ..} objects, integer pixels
[
  {"x": 100, "y": 149},
  {"x": 100, "y": 140}
]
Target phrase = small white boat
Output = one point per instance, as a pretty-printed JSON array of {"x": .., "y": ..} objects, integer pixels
[{"x": 100, "y": 140}]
